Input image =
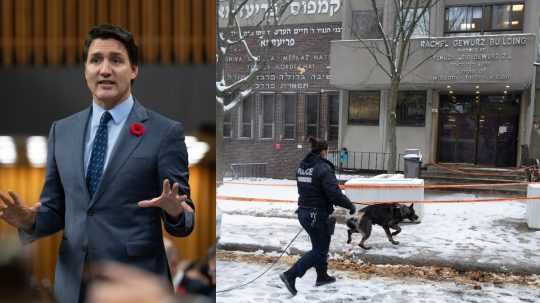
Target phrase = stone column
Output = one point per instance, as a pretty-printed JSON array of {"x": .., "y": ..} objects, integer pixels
[{"x": 433, "y": 112}]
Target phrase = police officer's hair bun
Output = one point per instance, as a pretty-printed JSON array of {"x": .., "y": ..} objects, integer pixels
[{"x": 317, "y": 145}]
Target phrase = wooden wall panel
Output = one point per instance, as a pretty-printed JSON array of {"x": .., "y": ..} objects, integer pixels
[
  {"x": 203, "y": 192},
  {"x": 23, "y": 17},
  {"x": 27, "y": 182},
  {"x": 119, "y": 12},
  {"x": 38, "y": 39},
  {"x": 165, "y": 31},
  {"x": 102, "y": 11},
  {"x": 87, "y": 17},
  {"x": 134, "y": 18},
  {"x": 197, "y": 31},
  {"x": 70, "y": 26},
  {"x": 210, "y": 30},
  {"x": 182, "y": 31},
  {"x": 150, "y": 31},
  {"x": 7, "y": 32},
  {"x": 52, "y": 32}
]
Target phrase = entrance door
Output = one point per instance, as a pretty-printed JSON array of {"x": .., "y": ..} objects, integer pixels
[
  {"x": 479, "y": 130},
  {"x": 457, "y": 138},
  {"x": 507, "y": 141},
  {"x": 487, "y": 139},
  {"x": 457, "y": 130}
]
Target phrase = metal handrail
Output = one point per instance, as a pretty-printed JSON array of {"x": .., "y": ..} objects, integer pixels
[
  {"x": 364, "y": 161},
  {"x": 248, "y": 170}
]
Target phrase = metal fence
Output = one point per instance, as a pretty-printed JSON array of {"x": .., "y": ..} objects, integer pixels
[
  {"x": 363, "y": 161},
  {"x": 248, "y": 170}
]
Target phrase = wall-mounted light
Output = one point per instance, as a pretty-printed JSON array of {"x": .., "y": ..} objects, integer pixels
[
  {"x": 196, "y": 149},
  {"x": 517, "y": 7},
  {"x": 8, "y": 152},
  {"x": 36, "y": 150}
]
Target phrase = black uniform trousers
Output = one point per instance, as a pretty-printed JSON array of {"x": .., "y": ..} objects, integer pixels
[{"x": 314, "y": 221}]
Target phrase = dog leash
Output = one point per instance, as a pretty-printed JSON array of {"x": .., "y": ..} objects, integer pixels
[{"x": 264, "y": 272}]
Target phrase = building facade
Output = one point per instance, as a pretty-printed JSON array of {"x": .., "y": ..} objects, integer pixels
[
  {"x": 473, "y": 99},
  {"x": 292, "y": 97}
]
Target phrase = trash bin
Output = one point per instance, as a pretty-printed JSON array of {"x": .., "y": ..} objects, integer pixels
[{"x": 412, "y": 162}]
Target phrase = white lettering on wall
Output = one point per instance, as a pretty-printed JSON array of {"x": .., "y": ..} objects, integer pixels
[{"x": 311, "y": 7}]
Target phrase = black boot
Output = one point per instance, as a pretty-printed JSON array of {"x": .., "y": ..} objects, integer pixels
[
  {"x": 323, "y": 278},
  {"x": 289, "y": 282}
]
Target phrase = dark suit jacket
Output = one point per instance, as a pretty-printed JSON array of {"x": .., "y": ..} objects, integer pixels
[{"x": 111, "y": 226}]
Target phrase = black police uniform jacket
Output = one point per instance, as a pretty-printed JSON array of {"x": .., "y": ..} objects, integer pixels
[{"x": 318, "y": 186}]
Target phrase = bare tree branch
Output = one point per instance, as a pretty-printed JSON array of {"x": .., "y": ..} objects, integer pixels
[
  {"x": 384, "y": 38},
  {"x": 243, "y": 87}
]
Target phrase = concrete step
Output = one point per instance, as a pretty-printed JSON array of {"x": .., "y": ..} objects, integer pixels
[
  {"x": 473, "y": 173},
  {"x": 473, "y": 179}
]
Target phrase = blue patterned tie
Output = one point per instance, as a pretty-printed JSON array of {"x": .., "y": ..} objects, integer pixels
[{"x": 99, "y": 152}]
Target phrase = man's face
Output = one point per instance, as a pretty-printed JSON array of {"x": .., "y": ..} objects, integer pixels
[{"x": 108, "y": 71}]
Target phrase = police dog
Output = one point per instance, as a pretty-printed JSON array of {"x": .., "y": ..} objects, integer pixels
[{"x": 386, "y": 215}]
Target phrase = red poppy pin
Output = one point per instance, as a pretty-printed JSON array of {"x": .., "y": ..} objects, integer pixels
[{"x": 137, "y": 129}]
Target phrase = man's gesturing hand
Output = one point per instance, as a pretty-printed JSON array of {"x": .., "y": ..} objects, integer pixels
[
  {"x": 13, "y": 211},
  {"x": 170, "y": 201}
]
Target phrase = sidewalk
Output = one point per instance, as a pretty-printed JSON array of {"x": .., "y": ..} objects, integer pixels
[
  {"x": 352, "y": 287},
  {"x": 474, "y": 236}
]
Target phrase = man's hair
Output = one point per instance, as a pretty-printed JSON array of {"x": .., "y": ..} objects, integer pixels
[{"x": 108, "y": 31}]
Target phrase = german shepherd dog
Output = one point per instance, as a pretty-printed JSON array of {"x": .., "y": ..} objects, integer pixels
[{"x": 386, "y": 215}]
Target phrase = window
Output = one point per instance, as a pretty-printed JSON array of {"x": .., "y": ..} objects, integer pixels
[
  {"x": 267, "y": 131},
  {"x": 246, "y": 117},
  {"x": 289, "y": 116},
  {"x": 411, "y": 108},
  {"x": 484, "y": 18},
  {"x": 365, "y": 25},
  {"x": 333, "y": 117},
  {"x": 364, "y": 107},
  {"x": 312, "y": 115},
  {"x": 422, "y": 26},
  {"x": 507, "y": 17},
  {"x": 464, "y": 19},
  {"x": 227, "y": 120}
]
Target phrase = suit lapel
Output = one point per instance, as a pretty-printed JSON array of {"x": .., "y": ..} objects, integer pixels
[
  {"x": 79, "y": 136},
  {"x": 124, "y": 147}
]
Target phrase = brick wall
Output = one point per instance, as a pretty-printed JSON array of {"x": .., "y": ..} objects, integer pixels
[{"x": 283, "y": 161}]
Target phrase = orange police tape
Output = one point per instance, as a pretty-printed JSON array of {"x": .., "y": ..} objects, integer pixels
[
  {"x": 429, "y": 186},
  {"x": 489, "y": 200}
]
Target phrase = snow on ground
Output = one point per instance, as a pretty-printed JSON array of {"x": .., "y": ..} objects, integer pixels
[
  {"x": 348, "y": 288},
  {"x": 348, "y": 177},
  {"x": 492, "y": 235}
]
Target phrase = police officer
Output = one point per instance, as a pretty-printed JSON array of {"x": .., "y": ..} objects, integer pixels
[{"x": 318, "y": 191}]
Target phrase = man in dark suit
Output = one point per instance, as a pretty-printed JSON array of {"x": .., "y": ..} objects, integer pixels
[{"x": 109, "y": 174}]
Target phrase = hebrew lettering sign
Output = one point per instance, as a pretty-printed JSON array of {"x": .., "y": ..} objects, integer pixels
[
  {"x": 297, "y": 57},
  {"x": 296, "y": 8}
]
